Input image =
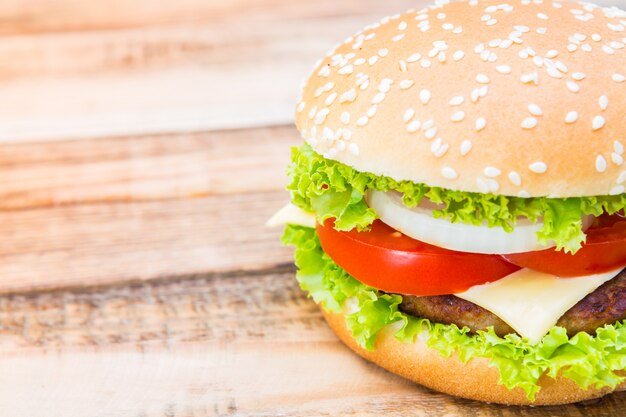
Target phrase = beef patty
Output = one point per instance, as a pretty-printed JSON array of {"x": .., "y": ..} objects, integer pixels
[{"x": 606, "y": 305}]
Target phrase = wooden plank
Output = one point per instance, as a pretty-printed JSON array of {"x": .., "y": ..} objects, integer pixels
[
  {"x": 98, "y": 244},
  {"x": 142, "y": 168},
  {"x": 237, "y": 345},
  {"x": 162, "y": 66}
]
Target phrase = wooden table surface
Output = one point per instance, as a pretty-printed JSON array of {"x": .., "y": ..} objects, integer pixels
[{"x": 142, "y": 146}]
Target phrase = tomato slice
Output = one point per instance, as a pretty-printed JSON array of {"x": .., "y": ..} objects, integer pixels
[
  {"x": 604, "y": 251},
  {"x": 386, "y": 259}
]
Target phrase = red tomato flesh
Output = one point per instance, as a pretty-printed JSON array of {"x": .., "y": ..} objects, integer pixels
[
  {"x": 604, "y": 251},
  {"x": 387, "y": 260}
]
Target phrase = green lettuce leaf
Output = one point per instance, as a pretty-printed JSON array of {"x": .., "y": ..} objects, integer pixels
[
  {"x": 590, "y": 361},
  {"x": 331, "y": 189}
]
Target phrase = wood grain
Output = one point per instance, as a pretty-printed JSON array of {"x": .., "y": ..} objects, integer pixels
[
  {"x": 146, "y": 167},
  {"x": 229, "y": 345},
  {"x": 87, "y": 69},
  {"x": 97, "y": 244}
]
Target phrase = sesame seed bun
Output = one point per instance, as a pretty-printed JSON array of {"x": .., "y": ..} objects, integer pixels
[
  {"x": 474, "y": 380},
  {"x": 517, "y": 99}
]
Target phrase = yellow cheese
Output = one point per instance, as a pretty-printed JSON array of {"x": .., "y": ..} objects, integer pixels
[
  {"x": 291, "y": 214},
  {"x": 532, "y": 302}
]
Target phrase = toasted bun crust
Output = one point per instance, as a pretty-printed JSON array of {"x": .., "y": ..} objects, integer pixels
[
  {"x": 522, "y": 100},
  {"x": 474, "y": 380}
]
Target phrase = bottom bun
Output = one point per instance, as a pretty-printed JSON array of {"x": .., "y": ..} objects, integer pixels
[{"x": 474, "y": 380}]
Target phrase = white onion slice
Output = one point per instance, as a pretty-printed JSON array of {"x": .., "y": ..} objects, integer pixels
[{"x": 420, "y": 224}]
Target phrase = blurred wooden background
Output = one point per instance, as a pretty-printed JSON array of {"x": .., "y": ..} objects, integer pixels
[{"x": 142, "y": 146}]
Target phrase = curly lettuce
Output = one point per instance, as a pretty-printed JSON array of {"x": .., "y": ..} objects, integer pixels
[
  {"x": 331, "y": 189},
  {"x": 590, "y": 361}
]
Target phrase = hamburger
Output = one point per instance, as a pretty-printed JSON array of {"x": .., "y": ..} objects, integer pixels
[{"x": 457, "y": 204}]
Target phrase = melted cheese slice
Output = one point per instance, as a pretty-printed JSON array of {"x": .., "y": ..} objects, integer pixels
[
  {"x": 291, "y": 214},
  {"x": 532, "y": 302}
]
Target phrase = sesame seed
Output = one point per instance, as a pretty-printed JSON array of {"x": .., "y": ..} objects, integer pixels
[
  {"x": 523, "y": 194},
  {"x": 506, "y": 44},
  {"x": 572, "y": 47},
  {"x": 327, "y": 134},
  {"x": 458, "y": 116},
  {"x": 414, "y": 126},
  {"x": 383, "y": 52},
  {"x": 561, "y": 67},
  {"x": 482, "y": 78},
  {"x": 456, "y": 101},
  {"x": 345, "y": 117},
  {"x": 479, "y": 48},
  {"x": 354, "y": 149},
  {"x": 571, "y": 117},
  {"x": 408, "y": 115},
  {"x": 579, "y": 76},
  {"x": 458, "y": 55},
  {"x": 491, "y": 22},
  {"x": 538, "y": 61},
  {"x": 402, "y": 26},
  {"x": 449, "y": 173},
  {"x": 492, "y": 172},
  {"x": 586, "y": 47},
  {"x": 617, "y": 158},
  {"x": 414, "y": 58},
  {"x": 535, "y": 110},
  {"x": 430, "y": 133},
  {"x": 362, "y": 121},
  {"x": 425, "y": 96},
  {"x": 580, "y": 37},
  {"x": 360, "y": 61},
  {"x": 312, "y": 112},
  {"x": 618, "y": 78},
  {"x": 552, "y": 53},
  {"x": 321, "y": 116},
  {"x": 348, "y": 96},
  {"x": 522, "y": 28},
  {"x": 465, "y": 147},
  {"x": 622, "y": 178},
  {"x": 618, "y": 189},
  {"x": 601, "y": 164},
  {"x": 348, "y": 69},
  {"x": 447, "y": 26},
  {"x": 403, "y": 66},
  {"x": 503, "y": 69},
  {"x": 596, "y": 37},
  {"x": 425, "y": 63},
  {"x": 618, "y": 147},
  {"x": 542, "y": 31},
  {"x": 378, "y": 98},
  {"x": 608, "y": 50},
  {"x": 372, "y": 60},
  {"x": 457, "y": 30},
  {"x": 604, "y": 102},
  {"x": 554, "y": 73},
  {"x": 573, "y": 87},
  {"x": 598, "y": 123},
  {"x": 538, "y": 167},
  {"x": 542, "y": 16},
  {"x": 529, "y": 123},
  {"x": 441, "y": 150},
  {"x": 371, "y": 112},
  {"x": 398, "y": 38},
  {"x": 406, "y": 84},
  {"x": 481, "y": 122},
  {"x": 428, "y": 124},
  {"x": 301, "y": 106},
  {"x": 529, "y": 78},
  {"x": 330, "y": 99},
  {"x": 515, "y": 178}
]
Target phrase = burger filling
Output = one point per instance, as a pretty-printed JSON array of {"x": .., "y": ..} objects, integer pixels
[{"x": 536, "y": 285}]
